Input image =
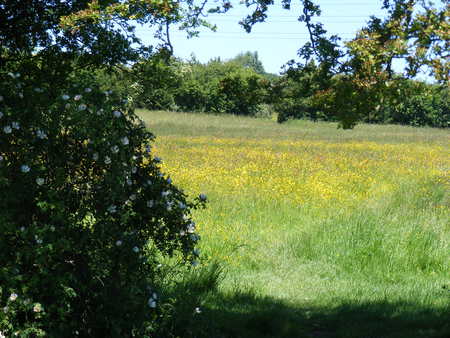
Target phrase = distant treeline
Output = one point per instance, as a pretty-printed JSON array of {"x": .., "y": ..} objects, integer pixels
[{"x": 241, "y": 86}]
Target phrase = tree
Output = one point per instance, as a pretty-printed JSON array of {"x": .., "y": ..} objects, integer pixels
[{"x": 250, "y": 60}]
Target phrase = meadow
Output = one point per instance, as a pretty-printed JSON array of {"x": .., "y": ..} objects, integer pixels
[{"x": 320, "y": 232}]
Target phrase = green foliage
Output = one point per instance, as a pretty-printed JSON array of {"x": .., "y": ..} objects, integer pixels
[{"x": 87, "y": 214}]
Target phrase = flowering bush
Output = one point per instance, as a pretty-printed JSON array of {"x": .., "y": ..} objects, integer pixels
[{"x": 85, "y": 214}]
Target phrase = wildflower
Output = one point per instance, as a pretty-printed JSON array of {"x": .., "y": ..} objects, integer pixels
[
  {"x": 112, "y": 209},
  {"x": 197, "y": 310},
  {"x": 37, "y": 307},
  {"x": 117, "y": 113},
  {"x": 5, "y": 310},
  {"x": 129, "y": 181},
  {"x": 77, "y": 97},
  {"x": 154, "y": 296},
  {"x": 21, "y": 95},
  {"x": 107, "y": 160},
  {"x": 191, "y": 228},
  {"x": 169, "y": 206},
  {"x": 40, "y": 181},
  {"x": 65, "y": 97},
  {"x": 100, "y": 111},
  {"x": 1, "y": 158},
  {"x": 15, "y": 125},
  {"x": 87, "y": 90},
  {"x": 38, "y": 240},
  {"x": 136, "y": 249},
  {"x": 115, "y": 149},
  {"x": 24, "y": 168},
  {"x": 132, "y": 197},
  {"x": 1, "y": 114},
  {"x": 22, "y": 229},
  {"x": 181, "y": 205},
  {"x": 152, "y": 303},
  {"x": 182, "y": 233},
  {"x": 165, "y": 193},
  {"x": 119, "y": 243},
  {"x": 82, "y": 107},
  {"x": 41, "y": 134},
  {"x": 95, "y": 156},
  {"x": 134, "y": 170},
  {"x": 125, "y": 141},
  {"x": 67, "y": 106},
  {"x": 150, "y": 203},
  {"x": 13, "y": 297}
]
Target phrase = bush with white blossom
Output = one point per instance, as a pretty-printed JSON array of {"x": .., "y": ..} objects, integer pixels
[{"x": 85, "y": 214}]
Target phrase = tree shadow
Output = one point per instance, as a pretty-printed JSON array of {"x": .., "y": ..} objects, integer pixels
[{"x": 246, "y": 315}]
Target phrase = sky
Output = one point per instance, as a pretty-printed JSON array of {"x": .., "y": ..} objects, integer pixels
[{"x": 276, "y": 40}]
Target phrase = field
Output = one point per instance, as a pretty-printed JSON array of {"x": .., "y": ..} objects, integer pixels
[{"x": 321, "y": 232}]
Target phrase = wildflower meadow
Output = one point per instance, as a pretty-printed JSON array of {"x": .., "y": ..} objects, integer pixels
[{"x": 319, "y": 231}]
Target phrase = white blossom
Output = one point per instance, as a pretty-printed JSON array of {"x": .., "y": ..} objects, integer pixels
[
  {"x": 37, "y": 307},
  {"x": 38, "y": 240},
  {"x": 95, "y": 156},
  {"x": 191, "y": 228},
  {"x": 21, "y": 95},
  {"x": 67, "y": 106},
  {"x": 13, "y": 297},
  {"x": 197, "y": 310},
  {"x": 136, "y": 249},
  {"x": 107, "y": 160},
  {"x": 150, "y": 203},
  {"x": 181, "y": 205},
  {"x": 124, "y": 140},
  {"x": 41, "y": 134},
  {"x": 112, "y": 209},
  {"x": 1, "y": 158},
  {"x": 100, "y": 111},
  {"x": 129, "y": 181},
  {"x": 22, "y": 229},
  {"x": 65, "y": 97},
  {"x": 87, "y": 90},
  {"x": 1, "y": 114},
  {"x": 165, "y": 193},
  {"x": 40, "y": 181},
  {"x": 115, "y": 149},
  {"x": 132, "y": 197},
  {"x": 182, "y": 233},
  {"x": 152, "y": 303},
  {"x": 117, "y": 113},
  {"x": 5, "y": 310},
  {"x": 15, "y": 125},
  {"x": 77, "y": 97},
  {"x": 118, "y": 243},
  {"x": 82, "y": 107},
  {"x": 134, "y": 170},
  {"x": 24, "y": 168}
]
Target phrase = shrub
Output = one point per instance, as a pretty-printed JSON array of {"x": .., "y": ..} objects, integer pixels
[{"x": 86, "y": 214}]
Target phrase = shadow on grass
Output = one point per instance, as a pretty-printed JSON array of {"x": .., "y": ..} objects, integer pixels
[{"x": 246, "y": 315}]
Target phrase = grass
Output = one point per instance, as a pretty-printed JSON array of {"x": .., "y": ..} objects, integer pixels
[{"x": 321, "y": 232}]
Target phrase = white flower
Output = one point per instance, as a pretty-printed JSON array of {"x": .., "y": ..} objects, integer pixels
[
  {"x": 150, "y": 203},
  {"x": 112, "y": 209},
  {"x": 125, "y": 141},
  {"x": 22, "y": 229},
  {"x": 154, "y": 296},
  {"x": 13, "y": 297},
  {"x": 5, "y": 310},
  {"x": 67, "y": 106},
  {"x": 41, "y": 134},
  {"x": 136, "y": 249},
  {"x": 24, "y": 168},
  {"x": 37, "y": 307},
  {"x": 132, "y": 197},
  {"x": 197, "y": 310},
  {"x": 7, "y": 129},
  {"x": 15, "y": 125},
  {"x": 100, "y": 111},
  {"x": 152, "y": 303},
  {"x": 82, "y": 107},
  {"x": 169, "y": 206},
  {"x": 115, "y": 149},
  {"x": 65, "y": 97},
  {"x": 87, "y": 90},
  {"x": 21, "y": 95},
  {"x": 165, "y": 193},
  {"x": 107, "y": 160},
  {"x": 134, "y": 170},
  {"x": 119, "y": 243},
  {"x": 191, "y": 228},
  {"x": 181, "y": 205},
  {"x": 1, "y": 114},
  {"x": 38, "y": 240},
  {"x": 77, "y": 97},
  {"x": 117, "y": 113},
  {"x": 182, "y": 233},
  {"x": 38, "y": 90},
  {"x": 129, "y": 181},
  {"x": 1, "y": 158},
  {"x": 95, "y": 156},
  {"x": 40, "y": 181}
]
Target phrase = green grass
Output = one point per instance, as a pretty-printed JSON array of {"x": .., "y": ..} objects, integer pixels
[{"x": 375, "y": 266}]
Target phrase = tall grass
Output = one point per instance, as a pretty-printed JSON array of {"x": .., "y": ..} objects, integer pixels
[{"x": 321, "y": 232}]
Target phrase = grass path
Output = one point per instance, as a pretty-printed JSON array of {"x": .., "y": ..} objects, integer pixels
[{"x": 322, "y": 232}]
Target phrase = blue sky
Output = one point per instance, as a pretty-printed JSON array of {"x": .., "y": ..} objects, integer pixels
[{"x": 276, "y": 40}]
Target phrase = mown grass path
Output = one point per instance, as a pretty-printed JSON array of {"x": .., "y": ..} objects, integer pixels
[{"x": 322, "y": 232}]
